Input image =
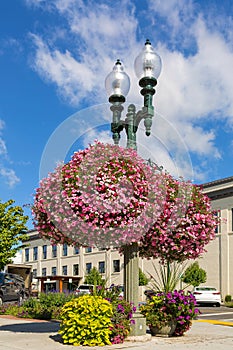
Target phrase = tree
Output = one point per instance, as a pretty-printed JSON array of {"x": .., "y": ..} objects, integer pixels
[
  {"x": 94, "y": 277},
  {"x": 12, "y": 231},
  {"x": 194, "y": 275},
  {"x": 143, "y": 279}
]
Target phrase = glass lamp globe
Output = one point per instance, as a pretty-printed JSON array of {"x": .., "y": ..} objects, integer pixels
[
  {"x": 117, "y": 82},
  {"x": 148, "y": 63}
]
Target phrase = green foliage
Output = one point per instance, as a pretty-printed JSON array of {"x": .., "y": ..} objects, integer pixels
[
  {"x": 55, "y": 299},
  {"x": 86, "y": 321},
  {"x": 176, "y": 306},
  {"x": 194, "y": 275},
  {"x": 229, "y": 304},
  {"x": 94, "y": 277},
  {"x": 228, "y": 298},
  {"x": 167, "y": 276},
  {"x": 143, "y": 279},
  {"x": 10, "y": 309},
  {"x": 48, "y": 306},
  {"x": 12, "y": 231},
  {"x": 121, "y": 320}
]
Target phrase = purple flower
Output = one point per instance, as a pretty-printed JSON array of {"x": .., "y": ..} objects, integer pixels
[{"x": 120, "y": 308}]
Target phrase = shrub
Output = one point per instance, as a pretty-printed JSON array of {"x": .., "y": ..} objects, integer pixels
[
  {"x": 54, "y": 305},
  {"x": 122, "y": 314},
  {"x": 35, "y": 309},
  {"x": 86, "y": 320},
  {"x": 143, "y": 279},
  {"x": 55, "y": 299},
  {"x": 194, "y": 275},
  {"x": 47, "y": 306},
  {"x": 10, "y": 309},
  {"x": 229, "y": 303},
  {"x": 227, "y": 298},
  {"x": 121, "y": 320},
  {"x": 95, "y": 278}
]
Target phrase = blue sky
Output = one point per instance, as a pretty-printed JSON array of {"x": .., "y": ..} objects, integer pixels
[{"x": 55, "y": 55}]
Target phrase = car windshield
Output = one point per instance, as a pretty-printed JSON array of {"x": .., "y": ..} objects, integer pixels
[
  {"x": 208, "y": 289},
  {"x": 85, "y": 287}
]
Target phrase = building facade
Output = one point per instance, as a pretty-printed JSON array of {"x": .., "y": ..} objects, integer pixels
[
  {"x": 61, "y": 267},
  {"x": 218, "y": 261}
]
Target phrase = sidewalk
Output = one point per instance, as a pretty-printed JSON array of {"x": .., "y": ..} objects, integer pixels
[{"x": 19, "y": 334}]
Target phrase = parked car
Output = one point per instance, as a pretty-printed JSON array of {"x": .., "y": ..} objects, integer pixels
[
  {"x": 149, "y": 293},
  {"x": 84, "y": 289},
  {"x": 207, "y": 295},
  {"x": 119, "y": 289},
  {"x": 11, "y": 288}
]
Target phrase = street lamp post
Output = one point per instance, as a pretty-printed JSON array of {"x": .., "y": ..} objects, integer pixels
[{"x": 147, "y": 67}]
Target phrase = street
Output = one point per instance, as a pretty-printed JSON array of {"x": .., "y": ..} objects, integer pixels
[{"x": 222, "y": 313}]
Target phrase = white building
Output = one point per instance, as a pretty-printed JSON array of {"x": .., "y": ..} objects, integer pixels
[{"x": 60, "y": 267}]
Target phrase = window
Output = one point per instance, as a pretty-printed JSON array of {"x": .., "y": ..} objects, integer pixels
[
  {"x": 44, "y": 271},
  {"x": 64, "y": 270},
  {"x": 218, "y": 227},
  {"x": 27, "y": 254},
  {"x": 116, "y": 265},
  {"x": 64, "y": 251},
  {"x": 88, "y": 250},
  {"x": 101, "y": 266},
  {"x": 44, "y": 248},
  {"x": 231, "y": 219},
  {"x": 76, "y": 269},
  {"x": 35, "y": 253},
  {"x": 54, "y": 251},
  {"x": 34, "y": 273},
  {"x": 76, "y": 250},
  {"x": 88, "y": 267},
  {"x": 54, "y": 271}
]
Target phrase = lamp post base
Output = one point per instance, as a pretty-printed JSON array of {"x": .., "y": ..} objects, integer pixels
[{"x": 138, "y": 327}]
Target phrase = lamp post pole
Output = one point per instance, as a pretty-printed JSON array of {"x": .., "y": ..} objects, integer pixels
[{"x": 147, "y": 68}]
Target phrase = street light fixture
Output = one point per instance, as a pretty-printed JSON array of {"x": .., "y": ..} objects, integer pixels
[{"x": 147, "y": 67}]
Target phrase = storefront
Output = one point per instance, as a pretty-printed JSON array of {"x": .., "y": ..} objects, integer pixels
[{"x": 58, "y": 283}]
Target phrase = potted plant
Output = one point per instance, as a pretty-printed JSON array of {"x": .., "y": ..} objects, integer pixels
[{"x": 170, "y": 313}]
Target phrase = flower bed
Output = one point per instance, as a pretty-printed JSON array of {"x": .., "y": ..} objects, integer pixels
[
  {"x": 176, "y": 306},
  {"x": 50, "y": 306}
]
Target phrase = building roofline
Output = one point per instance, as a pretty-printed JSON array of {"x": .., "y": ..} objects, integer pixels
[{"x": 218, "y": 182}]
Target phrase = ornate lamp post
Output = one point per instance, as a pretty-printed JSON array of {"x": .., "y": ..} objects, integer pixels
[{"x": 147, "y": 67}]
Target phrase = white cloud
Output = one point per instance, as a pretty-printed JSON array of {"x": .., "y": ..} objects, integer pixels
[
  {"x": 3, "y": 150},
  {"x": 8, "y": 174},
  {"x": 70, "y": 76},
  {"x": 2, "y": 125},
  {"x": 10, "y": 177},
  {"x": 195, "y": 87},
  {"x": 100, "y": 36}
]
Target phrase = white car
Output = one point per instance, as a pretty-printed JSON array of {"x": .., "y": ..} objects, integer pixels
[
  {"x": 207, "y": 295},
  {"x": 84, "y": 289}
]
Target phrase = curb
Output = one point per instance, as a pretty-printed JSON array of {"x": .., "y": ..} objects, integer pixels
[{"x": 217, "y": 322}]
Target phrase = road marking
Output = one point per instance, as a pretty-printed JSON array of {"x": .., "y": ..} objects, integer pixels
[
  {"x": 217, "y": 314},
  {"x": 218, "y": 322}
]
